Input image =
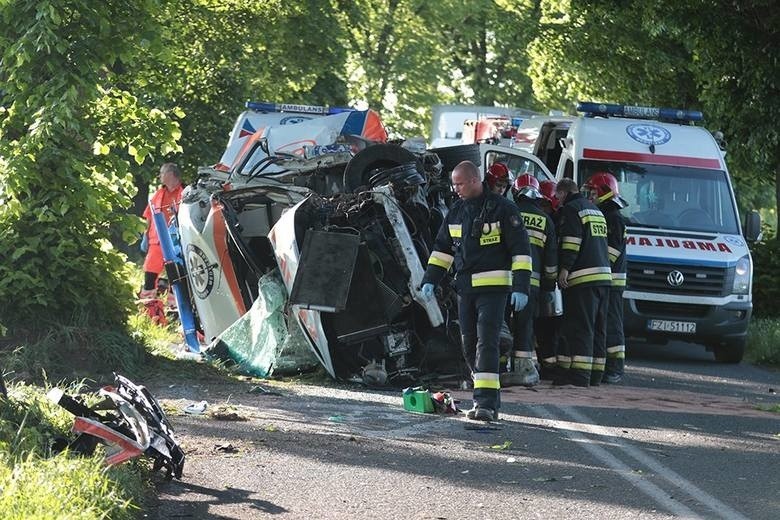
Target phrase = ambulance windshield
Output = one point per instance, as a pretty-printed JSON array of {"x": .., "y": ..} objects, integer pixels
[{"x": 671, "y": 197}]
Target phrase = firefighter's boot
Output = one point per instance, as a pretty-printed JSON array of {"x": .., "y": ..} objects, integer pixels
[
  {"x": 523, "y": 373},
  {"x": 482, "y": 414}
]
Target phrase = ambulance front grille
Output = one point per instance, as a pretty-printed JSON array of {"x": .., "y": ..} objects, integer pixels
[
  {"x": 671, "y": 310},
  {"x": 696, "y": 280}
]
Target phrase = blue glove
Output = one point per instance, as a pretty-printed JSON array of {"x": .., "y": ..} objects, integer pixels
[
  {"x": 519, "y": 300},
  {"x": 144, "y": 246},
  {"x": 427, "y": 291}
]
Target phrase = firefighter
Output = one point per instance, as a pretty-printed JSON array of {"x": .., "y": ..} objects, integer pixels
[
  {"x": 584, "y": 276},
  {"x": 544, "y": 255},
  {"x": 484, "y": 240},
  {"x": 604, "y": 192},
  {"x": 547, "y": 327},
  {"x": 498, "y": 178}
]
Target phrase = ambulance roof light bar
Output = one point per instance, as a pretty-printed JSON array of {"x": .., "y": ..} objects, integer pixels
[
  {"x": 260, "y": 106},
  {"x": 667, "y": 114}
]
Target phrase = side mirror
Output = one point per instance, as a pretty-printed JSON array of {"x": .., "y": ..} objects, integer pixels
[{"x": 753, "y": 226}]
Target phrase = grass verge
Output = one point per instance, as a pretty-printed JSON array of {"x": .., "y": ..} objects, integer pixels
[
  {"x": 36, "y": 483},
  {"x": 763, "y": 346}
]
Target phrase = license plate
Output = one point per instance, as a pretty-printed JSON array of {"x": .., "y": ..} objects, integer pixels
[{"x": 683, "y": 327}]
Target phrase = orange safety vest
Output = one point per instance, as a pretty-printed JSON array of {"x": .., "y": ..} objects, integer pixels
[{"x": 168, "y": 202}]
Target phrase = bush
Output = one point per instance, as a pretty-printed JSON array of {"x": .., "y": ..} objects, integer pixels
[
  {"x": 764, "y": 341},
  {"x": 766, "y": 278}
]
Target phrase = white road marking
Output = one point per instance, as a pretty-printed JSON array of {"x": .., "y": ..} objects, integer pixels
[{"x": 575, "y": 431}]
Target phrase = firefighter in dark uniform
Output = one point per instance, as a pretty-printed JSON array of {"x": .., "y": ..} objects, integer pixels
[
  {"x": 547, "y": 327},
  {"x": 544, "y": 256},
  {"x": 604, "y": 192},
  {"x": 484, "y": 240},
  {"x": 584, "y": 276}
]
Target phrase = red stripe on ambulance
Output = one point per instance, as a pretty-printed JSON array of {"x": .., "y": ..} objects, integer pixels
[{"x": 671, "y": 160}]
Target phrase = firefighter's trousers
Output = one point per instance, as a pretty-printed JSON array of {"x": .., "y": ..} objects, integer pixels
[
  {"x": 481, "y": 315},
  {"x": 616, "y": 340},
  {"x": 547, "y": 330},
  {"x": 523, "y": 327},
  {"x": 583, "y": 343}
]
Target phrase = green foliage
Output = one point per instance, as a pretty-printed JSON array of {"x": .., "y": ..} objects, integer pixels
[
  {"x": 67, "y": 132},
  {"x": 157, "y": 340},
  {"x": 211, "y": 57},
  {"x": 406, "y": 55},
  {"x": 29, "y": 422},
  {"x": 766, "y": 278},
  {"x": 602, "y": 51},
  {"x": 668, "y": 53},
  {"x": 763, "y": 346}
]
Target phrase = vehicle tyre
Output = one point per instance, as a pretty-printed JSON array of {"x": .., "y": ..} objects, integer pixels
[
  {"x": 363, "y": 164},
  {"x": 731, "y": 352},
  {"x": 452, "y": 155}
]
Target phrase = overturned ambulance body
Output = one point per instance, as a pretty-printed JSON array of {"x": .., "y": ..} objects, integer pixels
[{"x": 347, "y": 220}]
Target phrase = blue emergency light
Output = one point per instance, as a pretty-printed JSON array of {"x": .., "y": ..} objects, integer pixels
[
  {"x": 669, "y": 114},
  {"x": 260, "y": 106}
]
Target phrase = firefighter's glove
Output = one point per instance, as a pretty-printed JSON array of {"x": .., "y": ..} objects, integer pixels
[
  {"x": 144, "y": 246},
  {"x": 519, "y": 301},
  {"x": 427, "y": 291}
]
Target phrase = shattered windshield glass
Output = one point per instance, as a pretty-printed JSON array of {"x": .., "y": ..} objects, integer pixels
[{"x": 671, "y": 197}]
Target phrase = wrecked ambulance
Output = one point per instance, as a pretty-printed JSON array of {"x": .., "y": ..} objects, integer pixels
[{"x": 347, "y": 218}]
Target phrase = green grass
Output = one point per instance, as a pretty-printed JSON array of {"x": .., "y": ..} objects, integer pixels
[
  {"x": 36, "y": 483},
  {"x": 763, "y": 346},
  {"x": 775, "y": 408}
]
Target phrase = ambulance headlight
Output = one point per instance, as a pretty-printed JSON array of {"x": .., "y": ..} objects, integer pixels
[{"x": 742, "y": 276}]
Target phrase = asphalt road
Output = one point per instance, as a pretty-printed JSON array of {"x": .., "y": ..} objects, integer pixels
[{"x": 681, "y": 437}]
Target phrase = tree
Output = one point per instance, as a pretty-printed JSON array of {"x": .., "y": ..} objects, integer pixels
[
  {"x": 666, "y": 53},
  {"x": 407, "y": 55},
  {"x": 67, "y": 133},
  {"x": 212, "y": 57},
  {"x": 737, "y": 77}
]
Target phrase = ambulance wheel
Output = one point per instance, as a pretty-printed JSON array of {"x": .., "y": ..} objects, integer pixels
[
  {"x": 363, "y": 164},
  {"x": 731, "y": 352}
]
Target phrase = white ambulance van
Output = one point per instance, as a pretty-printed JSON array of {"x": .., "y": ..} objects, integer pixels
[{"x": 689, "y": 268}]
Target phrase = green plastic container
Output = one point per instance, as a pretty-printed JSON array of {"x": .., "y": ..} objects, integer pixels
[{"x": 418, "y": 400}]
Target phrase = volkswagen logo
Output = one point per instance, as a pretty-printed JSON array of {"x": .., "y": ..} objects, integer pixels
[{"x": 675, "y": 278}]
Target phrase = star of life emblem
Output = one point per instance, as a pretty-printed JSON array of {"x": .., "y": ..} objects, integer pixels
[{"x": 648, "y": 134}]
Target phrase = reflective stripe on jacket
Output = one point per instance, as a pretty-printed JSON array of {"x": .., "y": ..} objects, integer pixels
[
  {"x": 543, "y": 241},
  {"x": 583, "y": 243},
  {"x": 494, "y": 257}
]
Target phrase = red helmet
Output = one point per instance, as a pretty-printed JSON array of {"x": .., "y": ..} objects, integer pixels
[
  {"x": 547, "y": 189},
  {"x": 526, "y": 186},
  {"x": 497, "y": 172},
  {"x": 603, "y": 187}
]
